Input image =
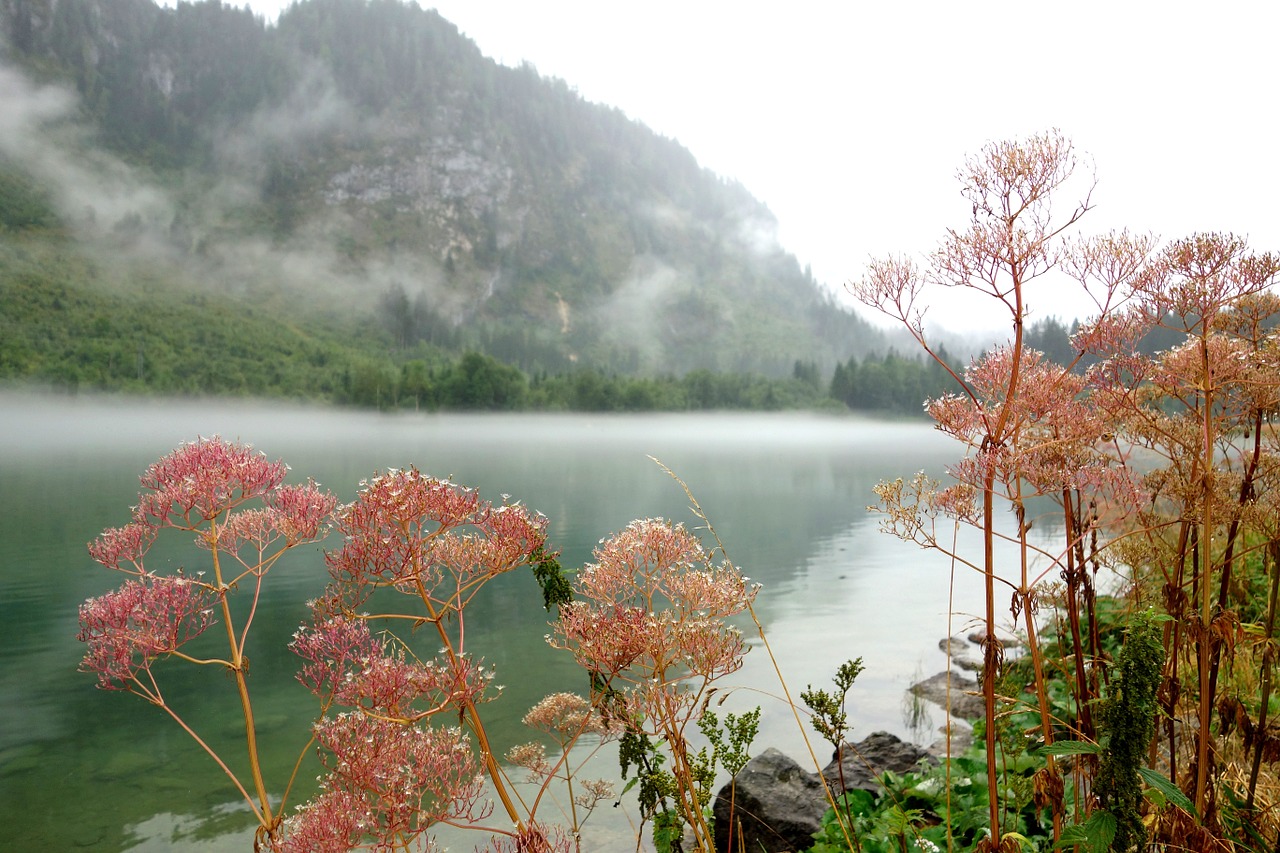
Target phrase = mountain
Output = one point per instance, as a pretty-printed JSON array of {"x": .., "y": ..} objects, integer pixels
[{"x": 362, "y": 158}]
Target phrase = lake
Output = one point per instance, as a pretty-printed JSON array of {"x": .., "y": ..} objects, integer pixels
[{"x": 82, "y": 768}]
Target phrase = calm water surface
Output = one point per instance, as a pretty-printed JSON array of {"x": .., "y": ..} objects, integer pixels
[{"x": 86, "y": 769}]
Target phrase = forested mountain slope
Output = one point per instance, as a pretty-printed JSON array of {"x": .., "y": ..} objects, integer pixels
[{"x": 361, "y": 158}]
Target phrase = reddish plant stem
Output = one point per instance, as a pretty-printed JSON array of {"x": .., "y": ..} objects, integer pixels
[
  {"x": 1273, "y": 551},
  {"x": 1205, "y": 642},
  {"x": 237, "y": 667},
  {"x": 1233, "y": 533}
]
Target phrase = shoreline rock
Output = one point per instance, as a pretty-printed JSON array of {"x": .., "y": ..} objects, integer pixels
[
  {"x": 774, "y": 805},
  {"x": 952, "y": 692}
]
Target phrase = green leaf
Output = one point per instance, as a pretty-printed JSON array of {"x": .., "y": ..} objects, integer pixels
[
  {"x": 667, "y": 831},
  {"x": 1171, "y": 792},
  {"x": 556, "y": 590},
  {"x": 1095, "y": 834},
  {"x": 858, "y": 801},
  {"x": 1023, "y": 842},
  {"x": 1069, "y": 747}
]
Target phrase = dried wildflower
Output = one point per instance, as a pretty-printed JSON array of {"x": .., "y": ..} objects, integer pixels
[
  {"x": 532, "y": 756},
  {"x": 534, "y": 839},
  {"x": 567, "y": 714},
  {"x": 594, "y": 791}
]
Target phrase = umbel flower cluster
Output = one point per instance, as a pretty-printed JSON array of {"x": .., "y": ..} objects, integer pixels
[
  {"x": 650, "y": 613},
  {"x": 398, "y": 731},
  {"x": 204, "y": 489},
  {"x": 423, "y": 547},
  {"x": 650, "y": 623}
]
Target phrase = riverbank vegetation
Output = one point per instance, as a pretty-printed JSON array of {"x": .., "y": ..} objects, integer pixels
[{"x": 1161, "y": 466}]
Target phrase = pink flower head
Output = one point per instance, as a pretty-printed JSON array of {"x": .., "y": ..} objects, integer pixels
[
  {"x": 390, "y": 685},
  {"x": 374, "y": 551},
  {"x": 407, "y": 529},
  {"x": 408, "y": 498},
  {"x": 246, "y": 527},
  {"x": 410, "y": 776},
  {"x": 128, "y": 544},
  {"x": 333, "y": 822},
  {"x": 294, "y": 514},
  {"x": 518, "y": 529},
  {"x": 534, "y": 839},
  {"x": 532, "y": 756},
  {"x": 299, "y": 513},
  {"x": 333, "y": 648},
  {"x": 606, "y": 640},
  {"x": 652, "y": 607},
  {"x": 637, "y": 560},
  {"x": 466, "y": 557},
  {"x": 127, "y": 629},
  {"x": 566, "y": 714},
  {"x": 1115, "y": 333},
  {"x": 1196, "y": 277},
  {"x": 202, "y": 479},
  {"x": 707, "y": 647},
  {"x": 715, "y": 591}
]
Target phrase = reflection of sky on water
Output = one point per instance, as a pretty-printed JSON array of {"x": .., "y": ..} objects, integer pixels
[{"x": 875, "y": 597}]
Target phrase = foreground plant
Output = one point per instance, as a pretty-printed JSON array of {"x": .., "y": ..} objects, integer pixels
[
  {"x": 1015, "y": 413},
  {"x": 1178, "y": 371},
  {"x": 831, "y": 720},
  {"x": 416, "y": 550},
  {"x": 233, "y": 503},
  {"x": 567, "y": 718},
  {"x": 398, "y": 731},
  {"x": 649, "y": 624}
]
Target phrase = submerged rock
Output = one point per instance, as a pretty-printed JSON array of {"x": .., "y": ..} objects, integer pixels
[
  {"x": 961, "y": 700},
  {"x": 964, "y": 655}
]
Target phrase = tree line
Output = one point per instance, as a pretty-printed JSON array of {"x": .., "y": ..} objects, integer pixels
[
  {"x": 137, "y": 337},
  {"x": 59, "y": 334}
]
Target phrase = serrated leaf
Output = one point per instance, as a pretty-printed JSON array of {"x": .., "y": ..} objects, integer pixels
[
  {"x": 1069, "y": 747},
  {"x": 1171, "y": 792},
  {"x": 1095, "y": 834}
]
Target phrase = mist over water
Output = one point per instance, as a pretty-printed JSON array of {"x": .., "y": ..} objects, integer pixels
[{"x": 786, "y": 493}]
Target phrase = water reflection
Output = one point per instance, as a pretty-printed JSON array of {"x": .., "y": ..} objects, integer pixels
[{"x": 84, "y": 768}]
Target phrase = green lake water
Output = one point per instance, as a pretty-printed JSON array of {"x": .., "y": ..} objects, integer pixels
[{"x": 86, "y": 769}]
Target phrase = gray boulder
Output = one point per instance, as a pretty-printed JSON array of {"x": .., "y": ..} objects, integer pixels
[
  {"x": 864, "y": 761},
  {"x": 964, "y": 700},
  {"x": 777, "y": 805},
  {"x": 773, "y": 805}
]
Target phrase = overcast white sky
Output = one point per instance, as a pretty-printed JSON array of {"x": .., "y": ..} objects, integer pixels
[{"x": 849, "y": 119}]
